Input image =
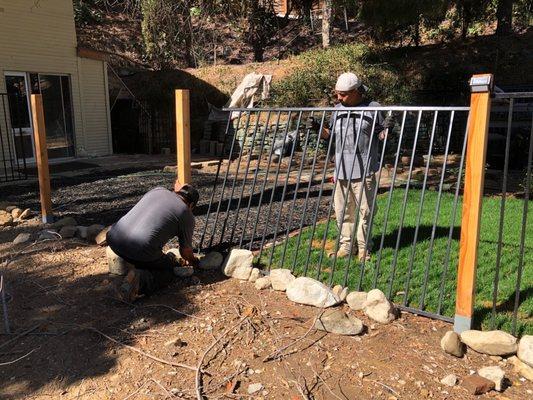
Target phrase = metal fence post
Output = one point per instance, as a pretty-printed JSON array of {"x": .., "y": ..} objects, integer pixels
[
  {"x": 480, "y": 101},
  {"x": 41, "y": 156},
  {"x": 183, "y": 136}
]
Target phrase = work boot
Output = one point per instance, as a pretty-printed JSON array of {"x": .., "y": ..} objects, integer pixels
[{"x": 128, "y": 291}]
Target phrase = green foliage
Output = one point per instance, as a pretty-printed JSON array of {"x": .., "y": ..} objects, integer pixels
[
  {"x": 312, "y": 82},
  {"x": 86, "y": 11}
]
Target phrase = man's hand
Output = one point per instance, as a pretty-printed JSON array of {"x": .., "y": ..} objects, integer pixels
[{"x": 188, "y": 255}]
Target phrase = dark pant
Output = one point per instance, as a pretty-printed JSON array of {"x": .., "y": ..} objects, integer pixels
[{"x": 154, "y": 275}]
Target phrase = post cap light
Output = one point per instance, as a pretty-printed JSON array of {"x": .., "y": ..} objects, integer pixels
[{"x": 481, "y": 83}]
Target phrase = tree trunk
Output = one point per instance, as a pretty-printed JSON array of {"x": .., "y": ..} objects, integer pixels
[
  {"x": 326, "y": 23},
  {"x": 504, "y": 13}
]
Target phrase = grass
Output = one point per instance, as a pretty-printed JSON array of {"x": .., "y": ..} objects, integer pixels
[{"x": 410, "y": 292}]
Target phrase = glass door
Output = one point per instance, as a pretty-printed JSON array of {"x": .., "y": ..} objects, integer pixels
[
  {"x": 20, "y": 112},
  {"x": 55, "y": 90}
]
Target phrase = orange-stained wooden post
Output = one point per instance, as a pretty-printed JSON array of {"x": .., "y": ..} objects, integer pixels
[
  {"x": 41, "y": 157},
  {"x": 183, "y": 136},
  {"x": 478, "y": 127}
]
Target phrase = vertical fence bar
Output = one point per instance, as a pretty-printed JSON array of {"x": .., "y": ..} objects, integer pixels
[
  {"x": 480, "y": 101},
  {"x": 183, "y": 136},
  {"x": 41, "y": 155},
  {"x": 523, "y": 233},
  {"x": 502, "y": 213}
]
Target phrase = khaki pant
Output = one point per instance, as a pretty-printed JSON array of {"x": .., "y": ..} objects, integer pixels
[{"x": 346, "y": 226}]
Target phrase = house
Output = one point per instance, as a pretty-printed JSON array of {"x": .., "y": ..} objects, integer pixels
[{"x": 39, "y": 55}]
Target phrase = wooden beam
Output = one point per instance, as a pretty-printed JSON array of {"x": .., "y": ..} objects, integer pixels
[
  {"x": 183, "y": 136},
  {"x": 41, "y": 157},
  {"x": 478, "y": 127}
]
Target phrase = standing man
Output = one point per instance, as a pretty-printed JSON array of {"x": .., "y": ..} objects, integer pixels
[
  {"x": 139, "y": 236},
  {"x": 353, "y": 160}
]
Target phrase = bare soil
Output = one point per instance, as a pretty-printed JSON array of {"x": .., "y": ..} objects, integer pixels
[{"x": 61, "y": 298}]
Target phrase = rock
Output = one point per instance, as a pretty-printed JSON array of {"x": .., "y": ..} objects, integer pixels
[
  {"x": 48, "y": 234},
  {"x": 449, "y": 380},
  {"x": 177, "y": 342},
  {"x": 262, "y": 283},
  {"x": 476, "y": 384},
  {"x": 308, "y": 291},
  {"x": 237, "y": 258},
  {"x": 337, "y": 321},
  {"x": 254, "y": 275},
  {"x": 116, "y": 264},
  {"x": 378, "y": 307},
  {"x": 10, "y": 208},
  {"x": 451, "y": 344},
  {"x": 243, "y": 273},
  {"x": 522, "y": 368},
  {"x": 26, "y": 214},
  {"x": 183, "y": 272},
  {"x": 494, "y": 374},
  {"x": 211, "y": 260},
  {"x": 525, "y": 350},
  {"x": 68, "y": 231},
  {"x": 254, "y": 388},
  {"x": 101, "y": 238},
  {"x": 93, "y": 231},
  {"x": 340, "y": 292},
  {"x": 5, "y": 219},
  {"x": 16, "y": 213},
  {"x": 493, "y": 343},
  {"x": 22, "y": 238},
  {"x": 67, "y": 221},
  {"x": 81, "y": 232},
  {"x": 356, "y": 300},
  {"x": 280, "y": 278}
]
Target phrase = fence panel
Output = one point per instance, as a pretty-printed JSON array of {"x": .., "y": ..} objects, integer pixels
[
  {"x": 12, "y": 141},
  {"x": 505, "y": 293},
  {"x": 275, "y": 194}
]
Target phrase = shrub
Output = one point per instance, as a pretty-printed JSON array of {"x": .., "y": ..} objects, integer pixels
[{"x": 312, "y": 81}]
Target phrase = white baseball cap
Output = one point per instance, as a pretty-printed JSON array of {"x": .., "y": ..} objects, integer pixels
[{"x": 349, "y": 81}]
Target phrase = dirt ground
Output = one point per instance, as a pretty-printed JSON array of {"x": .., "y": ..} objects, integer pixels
[{"x": 72, "y": 338}]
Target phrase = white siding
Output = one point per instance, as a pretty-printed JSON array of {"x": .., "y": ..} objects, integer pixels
[{"x": 95, "y": 107}]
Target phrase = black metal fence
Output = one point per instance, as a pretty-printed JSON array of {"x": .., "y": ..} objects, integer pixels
[
  {"x": 12, "y": 139},
  {"x": 508, "y": 232},
  {"x": 275, "y": 194}
]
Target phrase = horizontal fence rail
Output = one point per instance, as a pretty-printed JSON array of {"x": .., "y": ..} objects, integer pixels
[
  {"x": 275, "y": 193},
  {"x": 12, "y": 146}
]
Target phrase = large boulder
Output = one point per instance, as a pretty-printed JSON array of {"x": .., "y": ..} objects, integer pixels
[
  {"x": 525, "y": 350},
  {"x": 308, "y": 291},
  {"x": 356, "y": 300},
  {"x": 378, "y": 307},
  {"x": 243, "y": 272},
  {"x": 337, "y": 321},
  {"x": 211, "y": 260},
  {"x": 280, "y": 278},
  {"x": 451, "y": 344},
  {"x": 493, "y": 343},
  {"x": 237, "y": 258}
]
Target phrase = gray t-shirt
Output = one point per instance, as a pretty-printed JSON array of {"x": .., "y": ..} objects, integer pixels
[
  {"x": 353, "y": 158},
  {"x": 159, "y": 216}
]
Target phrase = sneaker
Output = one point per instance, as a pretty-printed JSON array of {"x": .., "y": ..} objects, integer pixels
[
  {"x": 364, "y": 256},
  {"x": 128, "y": 291},
  {"x": 343, "y": 252}
]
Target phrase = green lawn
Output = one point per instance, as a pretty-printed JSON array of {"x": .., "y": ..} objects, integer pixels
[{"x": 420, "y": 256}]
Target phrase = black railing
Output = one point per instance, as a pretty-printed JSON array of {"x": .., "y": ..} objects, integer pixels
[{"x": 12, "y": 146}]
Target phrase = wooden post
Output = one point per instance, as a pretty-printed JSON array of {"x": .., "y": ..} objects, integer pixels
[
  {"x": 478, "y": 126},
  {"x": 183, "y": 136},
  {"x": 41, "y": 156}
]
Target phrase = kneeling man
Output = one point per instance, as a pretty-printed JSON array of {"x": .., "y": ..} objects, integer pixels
[{"x": 139, "y": 236}]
